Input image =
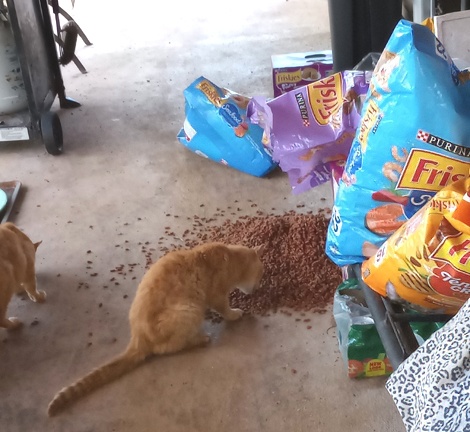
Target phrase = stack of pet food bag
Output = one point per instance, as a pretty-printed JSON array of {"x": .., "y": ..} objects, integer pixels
[
  {"x": 307, "y": 130},
  {"x": 401, "y": 207}
]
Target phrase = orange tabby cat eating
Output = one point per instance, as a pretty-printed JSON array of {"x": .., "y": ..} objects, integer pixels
[
  {"x": 17, "y": 273},
  {"x": 168, "y": 310}
]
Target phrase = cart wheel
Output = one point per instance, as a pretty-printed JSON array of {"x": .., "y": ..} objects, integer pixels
[{"x": 51, "y": 131}]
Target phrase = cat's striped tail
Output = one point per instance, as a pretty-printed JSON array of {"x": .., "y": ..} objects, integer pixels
[{"x": 100, "y": 376}]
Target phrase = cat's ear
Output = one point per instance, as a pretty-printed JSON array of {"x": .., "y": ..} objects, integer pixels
[
  {"x": 260, "y": 250},
  {"x": 36, "y": 245}
]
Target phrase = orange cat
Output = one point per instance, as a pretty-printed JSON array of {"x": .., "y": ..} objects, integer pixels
[
  {"x": 17, "y": 274},
  {"x": 169, "y": 308}
]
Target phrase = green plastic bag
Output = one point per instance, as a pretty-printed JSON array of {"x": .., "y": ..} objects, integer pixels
[{"x": 359, "y": 342}]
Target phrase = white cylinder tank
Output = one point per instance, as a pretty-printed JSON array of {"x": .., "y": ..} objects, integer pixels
[{"x": 13, "y": 96}]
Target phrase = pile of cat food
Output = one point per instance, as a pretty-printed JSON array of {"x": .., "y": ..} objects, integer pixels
[{"x": 298, "y": 275}]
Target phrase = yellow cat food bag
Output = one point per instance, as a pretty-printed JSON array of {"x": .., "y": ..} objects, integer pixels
[{"x": 426, "y": 262}]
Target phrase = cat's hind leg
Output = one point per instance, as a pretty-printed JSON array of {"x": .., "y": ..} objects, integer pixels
[
  {"x": 8, "y": 323},
  {"x": 30, "y": 287},
  {"x": 179, "y": 332},
  {"x": 11, "y": 323}
]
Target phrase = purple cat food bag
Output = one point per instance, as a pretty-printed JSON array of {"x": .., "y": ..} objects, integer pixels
[{"x": 312, "y": 126}]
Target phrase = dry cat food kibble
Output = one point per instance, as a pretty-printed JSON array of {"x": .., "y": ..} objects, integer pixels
[{"x": 298, "y": 274}]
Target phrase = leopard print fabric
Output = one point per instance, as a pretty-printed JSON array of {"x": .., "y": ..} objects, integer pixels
[{"x": 431, "y": 388}]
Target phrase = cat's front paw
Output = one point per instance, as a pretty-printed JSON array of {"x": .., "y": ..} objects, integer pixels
[
  {"x": 12, "y": 323},
  {"x": 41, "y": 297},
  {"x": 206, "y": 340},
  {"x": 202, "y": 339},
  {"x": 233, "y": 314},
  {"x": 38, "y": 297}
]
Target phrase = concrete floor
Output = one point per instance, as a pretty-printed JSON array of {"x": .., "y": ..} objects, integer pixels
[{"x": 122, "y": 162}]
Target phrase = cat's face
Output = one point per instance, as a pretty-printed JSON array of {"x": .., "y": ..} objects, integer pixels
[{"x": 254, "y": 272}]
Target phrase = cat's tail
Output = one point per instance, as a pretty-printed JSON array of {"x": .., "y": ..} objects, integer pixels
[{"x": 122, "y": 364}]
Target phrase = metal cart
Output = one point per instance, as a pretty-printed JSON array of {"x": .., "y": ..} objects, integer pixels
[
  {"x": 392, "y": 321},
  {"x": 31, "y": 26}
]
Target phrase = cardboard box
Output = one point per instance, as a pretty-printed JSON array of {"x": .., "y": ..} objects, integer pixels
[
  {"x": 295, "y": 70},
  {"x": 452, "y": 30}
]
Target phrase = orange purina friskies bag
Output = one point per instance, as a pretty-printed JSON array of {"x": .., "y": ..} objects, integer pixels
[{"x": 426, "y": 262}]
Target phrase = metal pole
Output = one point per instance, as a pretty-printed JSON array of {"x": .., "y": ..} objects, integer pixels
[
  {"x": 397, "y": 337},
  {"x": 341, "y": 30}
]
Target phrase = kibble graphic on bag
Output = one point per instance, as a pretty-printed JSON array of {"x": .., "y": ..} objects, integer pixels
[{"x": 413, "y": 140}]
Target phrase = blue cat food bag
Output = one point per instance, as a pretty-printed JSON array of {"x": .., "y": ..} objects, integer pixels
[
  {"x": 216, "y": 127},
  {"x": 413, "y": 139}
]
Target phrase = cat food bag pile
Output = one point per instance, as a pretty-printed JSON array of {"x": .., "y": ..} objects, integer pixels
[
  {"x": 359, "y": 342},
  {"x": 413, "y": 139},
  {"x": 312, "y": 126},
  {"x": 426, "y": 262},
  {"x": 216, "y": 127}
]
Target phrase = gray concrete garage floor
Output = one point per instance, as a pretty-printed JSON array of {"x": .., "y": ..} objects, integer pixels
[{"x": 121, "y": 171}]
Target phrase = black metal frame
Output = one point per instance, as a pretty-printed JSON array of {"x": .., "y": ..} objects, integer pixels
[
  {"x": 31, "y": 26},
  {"x": 57, "y": 10},
  {"x": 393, "y": 321}
]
